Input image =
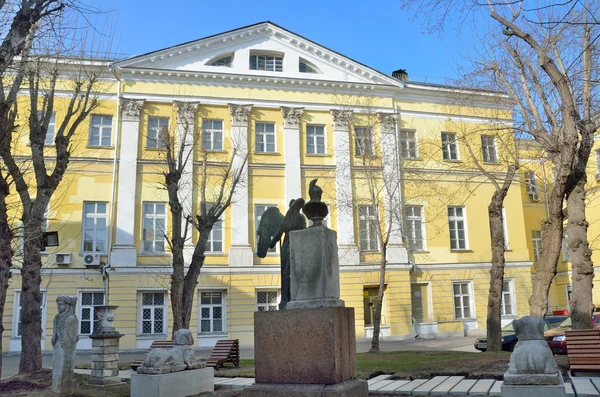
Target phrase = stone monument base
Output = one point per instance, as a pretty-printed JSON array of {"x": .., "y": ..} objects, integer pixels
[
  {"x": 175, "y": 384},
  {"x": 105, "y": 359},
  {"x": 533, "y": 389},
  {"x": 348, "y": 388}
]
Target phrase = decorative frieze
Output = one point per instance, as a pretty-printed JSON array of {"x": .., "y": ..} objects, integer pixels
[
  {"x": 387, "y": 122},
  {"x": 239, "y": 114},
  {"x": 132, "y": 109},
  {"x": 291, "y": 116},
  {"x": 341, "y": 119},
  {"x": 186, "y": 111}
]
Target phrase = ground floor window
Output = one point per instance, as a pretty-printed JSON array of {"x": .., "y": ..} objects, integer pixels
[
  {"x": 507, "y": 306},
  {"x": 266, "y": 301},
  {"x": 212, "y": 312},
  {"x": 370, "y": 305},
  {"x": 17, "y": 314},
  {"x": 463, "y": 298},
  {"x": 87, "y": 311},
  {"x": 153, "y": 313}
]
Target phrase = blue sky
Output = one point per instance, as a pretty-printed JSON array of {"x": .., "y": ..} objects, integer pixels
[{"x": 376, "y": 33}]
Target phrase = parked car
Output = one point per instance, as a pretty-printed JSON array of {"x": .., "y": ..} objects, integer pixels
[
  {"x": 509, "y": 337},
  {"x": 556, "y": 338}
]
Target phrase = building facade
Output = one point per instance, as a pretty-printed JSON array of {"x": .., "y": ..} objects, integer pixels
[{"x": 297, "y": 108}]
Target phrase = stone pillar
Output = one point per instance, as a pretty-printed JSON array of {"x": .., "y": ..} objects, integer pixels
[
  {"x": 291, "y": 133},
  {"x": 347, "y": 249},
  {"x": 186, "y": 134},
  {"x": 105, "y": 348},
  {"x": 396, "y": 252},
  {"x": 124, "y": 252},
  {"x": 240, "y": 252}
]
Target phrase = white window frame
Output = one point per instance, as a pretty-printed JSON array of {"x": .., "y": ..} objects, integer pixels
[
  {"x": 216, "y": 235},
  {"x": 362, "y": 132},
  {"x": 210, "y": 144},
  {"x": 17, "y": 313},
  {"x": 265, "y": 305},
  {"x": 262, "y": 136},
  {"x": 81, "y": 306},
  {"x": 103, "y": 130},
  {"x": 565, "y": 246},
  {"x": 472, "y": 314},
  {"x": 153, "y": 138},
  {"x": 597, "y": 152},
  {"x": 538, "y": 243},
  {"x": 410, "y": 220},
  {"x": 314, "y": 137},
  {"x": 224, "y": 60},
  {"x": 276, "y": 61},
  {"x": 257, "y": 219},
  {"x": 409, "y": 147},
  {"x": 511, "y": 297},
  {"x": 49, "y": 138},
  {"x": 95, "y": 216},
  {"x": 449, "y": 142},
  {"x": 154, "y": 217},
  {"x": 453, "y": 220},
  {"x": 367, "y": 215},
  {"x": 489, "y": 149},
  {"x": 568, "y": 292},
  {"x": 211, "y": 307},
  {"x": 141, "y": 307},
  {"x": 532, "y": 186}
]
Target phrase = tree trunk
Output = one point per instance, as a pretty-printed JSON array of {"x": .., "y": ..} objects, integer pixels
[
  {"x": 31, "y": 296},
  {"x": 378, "y": 309},
  {"x": 191, "y": 278},
  {"x": 6, "y": 254},
  {"x": 494, "y": 324},
  {"x": 581, "y": 305},
  {"x": 177, "y": 278}
]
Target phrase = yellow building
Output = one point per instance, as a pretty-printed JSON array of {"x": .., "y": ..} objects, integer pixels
[{"x": 295, "y": 104}]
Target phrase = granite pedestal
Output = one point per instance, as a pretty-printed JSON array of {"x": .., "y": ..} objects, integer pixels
[
  {"x": 530, "y": 390},
  {"x": 105, "y": 359},
  {"x": 175, "y": 384}
]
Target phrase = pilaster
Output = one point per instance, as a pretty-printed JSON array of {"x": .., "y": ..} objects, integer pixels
[
  {"x": 347, "y": 249},
  {"x": 123, "y": 252},
  {"x": 291, "y": 133},
  {"x": 396, "y": 252},
  {"x": 240, "y": 252}
]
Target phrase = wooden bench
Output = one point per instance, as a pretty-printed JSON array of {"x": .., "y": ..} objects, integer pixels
[
  {"x": 157, "y": 344},
  {"x": 583, "y": 350},
  {"x": 225, "y": 351}
]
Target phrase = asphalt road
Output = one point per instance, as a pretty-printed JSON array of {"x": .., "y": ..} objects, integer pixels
[{"x": 10, "y": 361}]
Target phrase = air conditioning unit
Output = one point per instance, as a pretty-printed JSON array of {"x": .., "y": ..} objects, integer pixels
[
  {"x": 63, "y": 259},
  {"x": 91, "y": 259}
]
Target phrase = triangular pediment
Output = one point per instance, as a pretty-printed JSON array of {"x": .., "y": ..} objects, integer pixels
[{"x": 265, "y": 50}]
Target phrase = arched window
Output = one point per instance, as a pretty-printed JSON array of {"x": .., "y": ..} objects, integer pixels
[
  {"x": 307, "y": 67},
  {"x": 221, "y": 61}
]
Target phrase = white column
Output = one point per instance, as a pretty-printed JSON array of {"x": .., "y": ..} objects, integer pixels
[
  {"x": 347, "y": 250},
  {"x": 291, "y": 134},
  {"x": 186, "y": 134},
  {"x": 123, "y": 252},
  {"x": 240, "y": 252},
  {"x": 396, "y": 252}
]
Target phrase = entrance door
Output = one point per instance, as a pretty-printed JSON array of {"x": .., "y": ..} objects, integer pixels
[{"x": 420, "y": 302}]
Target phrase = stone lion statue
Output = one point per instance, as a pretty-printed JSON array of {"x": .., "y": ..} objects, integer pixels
[{"x": 179, "y": 358}]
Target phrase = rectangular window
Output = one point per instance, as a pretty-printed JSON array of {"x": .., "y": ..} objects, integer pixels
[
  {"x": 153, "y": 228},
  {"x": 370, "y": 295},
  {"x": 212, "y": 312},
  {"x": 408, "y": 144},
  {"x": 414, "y": 227},
  {"x": 95, "y": 231},
  {"x": 270, "y": 63},
  {"x": 49, "y": 140},
  {"x": 506, "y": 304},
  {"x": 315, "y": 139},
  {"x": 265, "y": 137},
  {"x": 565, "y": 246},
  {"x": 462, "y": 300},
  {"x": 536, "y": 237},
  {"x": 597, "y": 164},
  {"x": 17, "y": 315},
  {"x": 259, "y": 210},
  {"x": 153, "y": 319},
  {"x": 488, "y": 148},
  {"x": 215, "y": 238},
  {"x": 266, "y": 301},
  {"x": 569, "y": 293},
  {"x": 449, "y": 146},
  {"x": 212, "y": 135},
  {"x": 457, "y": 223},
  {"x": 100, "y": 130},
  {"x": 87, "y": 313},
  {"x": 367, "y": 225},
  {"x": 157, "y": 136},
  {"x": 363, "y": 141},
  {"x": 531, "y": 186}
]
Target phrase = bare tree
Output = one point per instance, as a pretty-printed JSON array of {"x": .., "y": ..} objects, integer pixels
[
  {"x": 218, "y": 184},
  {"x": 543, "y": 56}
]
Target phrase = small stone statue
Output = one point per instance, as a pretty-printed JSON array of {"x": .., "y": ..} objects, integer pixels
[
  {"x": 532, "y": 362},
  {"x": 179, "y": 358},
  {"x": 64, "y": 342}
]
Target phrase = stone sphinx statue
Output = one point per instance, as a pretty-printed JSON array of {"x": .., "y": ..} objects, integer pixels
[
  {"x": 179, "y": 358},
  {"x": 531, "y": 362}
]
